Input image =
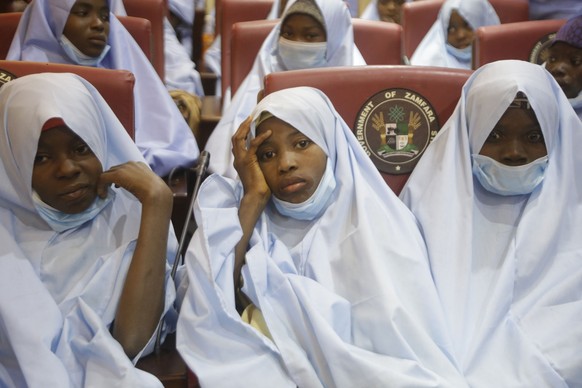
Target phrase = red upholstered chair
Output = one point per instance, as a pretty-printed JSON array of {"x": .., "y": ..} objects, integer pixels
[
  {"x": 379, "y": 43},
  {"x": 116, "y": 86},
  {"x": 398, "y": 93},
  {"x": 155, "y": 11},
  {"x": 235, "y": 11},
  {"x": 419, "y": 16},
  {"x": 139, "y": 28},
  {"x": 520, "y": 40}
]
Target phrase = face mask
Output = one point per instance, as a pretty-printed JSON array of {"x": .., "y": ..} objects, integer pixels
[
  {"x": 77, "y": 56},
  {"x": 60, "y": 221},
  {"x": 301, "y": 55},
  {"x": 315, "y": 204},
  {"x": 501, "y": 179},
  {"x": 463, "y": 55}
]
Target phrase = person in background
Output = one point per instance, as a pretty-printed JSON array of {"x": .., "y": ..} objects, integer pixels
[
  {"x": 553, "y": 9},
  {"x": 565, "y": 61},
  {"x": 190, "y": 106},
  {"x": 449, "y": 41},
  {"x": 385, "y": 10},
  {"x": 497, "y": 197},
  {"x": 81, "y": 206},
  {"x": 12, "y": 5},
  {"x": 86, "y": 33},
  {"x": 311, "y": 34},
  {"x": 308, "y": 271}
]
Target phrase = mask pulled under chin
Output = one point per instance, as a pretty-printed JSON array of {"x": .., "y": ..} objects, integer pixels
[
  {"x": 463, "y": 55},
  {"x": 314, "y": 205},
  {"x": 301, "y": 55},
  {"x": 77, "y": 55},
  {"x": 59, "y": 221},
  {"x": 501, "y": 179}
]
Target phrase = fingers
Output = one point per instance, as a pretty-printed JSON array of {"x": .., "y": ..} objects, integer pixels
[{"x": 239, "y": 138}]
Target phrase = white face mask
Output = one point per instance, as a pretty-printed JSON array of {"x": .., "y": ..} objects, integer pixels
[
  {"x": 301, "y": 55},
  {"x": 77, "y": 55},
  {"x": 314, "y": 205},
  {"x": 463, "y": 55},
  {"x": 501, "y": 179}
]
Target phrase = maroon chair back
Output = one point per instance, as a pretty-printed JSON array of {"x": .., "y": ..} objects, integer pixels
[
  {"x": 155, "y": 11},
  {"x": 139, "y": 28},
  {"x": 232, "y": 12},
  {"x": 520, "y": 40},
  {"x": 419, "y": 16},
  {"x": 116, "y": 86},
  {"x": 378, "y": 42},
  {"x": 421, "y": 98}
]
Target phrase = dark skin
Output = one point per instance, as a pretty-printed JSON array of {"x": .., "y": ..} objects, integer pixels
[
  {"x": 87, "y": 26},
  {"x": 300, "y": 27},
  {"x": 565, "y": 64},
  {"x": 12, "y": 6},
  {"x": 459, "y": 33},
  {"x": 279, "y": 161},
  {"x": 68, "y": 176},
  {"x": 516, "y": 139},
  {"x": 390, "y": 10}
]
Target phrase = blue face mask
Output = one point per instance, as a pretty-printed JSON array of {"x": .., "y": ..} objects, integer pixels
[
  {"x": 60, "y": 221},
  {"x": 463, "y": 55},
  {"x": 301, "y": 55},
  {"x": 77, "y": 56},
  {"x": 501, "y": 179},
  {"x": 314, "y": 205}
]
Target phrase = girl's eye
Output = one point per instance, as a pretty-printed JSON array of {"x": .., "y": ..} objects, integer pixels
[
  {"x": 493, "y": 136},
  {"x": 105, "y": 17},
  {"x": 303, "y": 143},
  {"x": 535, "y": 137},
  {"x": 82, "y": 149},
  {"x": 266, "y": 155},
  {"x": 286, "y": 34},
  {"x": 38, "y": 159}
]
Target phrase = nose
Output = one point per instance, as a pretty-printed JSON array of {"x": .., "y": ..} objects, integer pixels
[
  {"x": 97, "y": 23},
  {"x": 391, "y": 5},
  {"x": 287, "y": 162},
  {"x": 558, "y": 69},
  {"x": 67, "y": 168},
  {"x": 514, "y": 153}
]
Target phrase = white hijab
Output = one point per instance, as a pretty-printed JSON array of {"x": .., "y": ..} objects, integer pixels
[
  {"x": 432, "y": 50},
  {"x": 341, "y": 51},
  {"x": 507, "y": 268},
  {"x": 349, "y": 303},
  {"x": 161, "y": 134},
  {"x": 371, "y": 10},
  {"x": 81, "y": 269}
]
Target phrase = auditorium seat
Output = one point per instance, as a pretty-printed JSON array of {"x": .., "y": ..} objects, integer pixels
[
  {"x": 521, "y": 40},
  {"x": 155, "y": 11},
  {"x": 235, "y": 11},
  {"x": 419, "y": 16},
  {"x": 425, "y": 96},
  {"x": 139, "y": 28},
  {"x": 379, "y": 43}
]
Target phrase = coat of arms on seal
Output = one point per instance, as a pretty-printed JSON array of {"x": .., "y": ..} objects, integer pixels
[
  {"x": 5, "y": 77},
  {"x": 394, "y": 127}
]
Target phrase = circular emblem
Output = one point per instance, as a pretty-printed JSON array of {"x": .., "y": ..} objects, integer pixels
[
  {"x": 539, "y": 53},
  {"x": 5, "y": 77},
  {"x": 394, "y": 127}
]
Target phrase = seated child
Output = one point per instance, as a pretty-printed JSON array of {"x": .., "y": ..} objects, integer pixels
[
  {"x": 81, "y": 206},
  {"x": 326, "y": 265},
  {"x": 565, "y": 61},
  {"x": 85, "y": 32},
  {"x": 312, "y": 34},
  {"x": 497, "y": 197},
  {"x": 449, "y": 41},
  {"x": 385, "y": 10}
]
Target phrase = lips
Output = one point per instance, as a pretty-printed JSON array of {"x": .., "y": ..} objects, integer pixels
[
  {"x": 75, "y": 192},
  {"x": 98, "y": 39},
  {"x": 292, "y": 185}
]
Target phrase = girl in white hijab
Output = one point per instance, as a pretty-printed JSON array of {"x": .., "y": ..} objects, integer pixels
[
  {"x": 99, "y": 251},
  {"x": 339, "y": 284},
  {"x": 449, "y": 41},
  {"x": 504, "y": 238},
  {"x": 391, "y": 11},
  {"x": 161, "y": 133},
  {"x": 339, "y": 50}
]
